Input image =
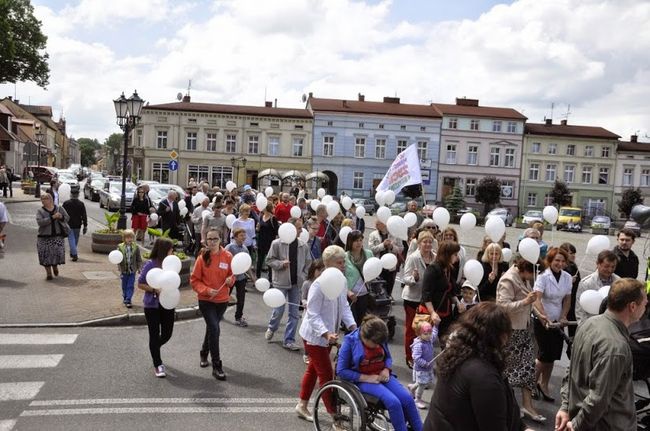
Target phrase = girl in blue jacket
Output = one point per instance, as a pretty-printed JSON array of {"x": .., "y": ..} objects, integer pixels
[{"x": 364, "y": 359}]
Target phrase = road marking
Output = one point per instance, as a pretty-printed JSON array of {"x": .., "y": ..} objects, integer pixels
[
  {"x": 19, "y": 391},
  {"x": 154, "y": 410},
  {"x": 29, "y": 361},
  {"x": 7, "y": 425},
  {"x": 38, "y": 338},
  {"x": 93, "y": 401}
]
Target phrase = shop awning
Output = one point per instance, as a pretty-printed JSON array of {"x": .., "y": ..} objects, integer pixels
[
  {"x": 316, "y": 175},
  {"x": 293, "y": 174},
  {"x": 269, "y": 173}
]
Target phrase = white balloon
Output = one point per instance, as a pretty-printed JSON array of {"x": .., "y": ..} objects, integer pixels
[
  {"x": 287, "y": 233},
  {"x": 195, "y": 200},
  {"x": 383, "y": 213},
  {"x": 343, "y": 234},
  {"x": 604, "y": 291},
  {"x": 169, "y": 298},
  {"x": 295, "y": 212},
  {"x": 268, "y": 191},
  {"x": 550, "y": 214},
  {"x": 304, "y": 235},
  {"x": 379, "y": 197},
  {"x": 321, "y": 193},
  {"x": 261, "y": 202},
  {"x": 410, "y": 218},
  {"x": 441, "y": 217},
  {"x": 326, "y": 199},
  {"x": 241, "y": 262},
  {"x": 314, "y": 204},
  {"x": 205, "y": 214},
  {"x": 333, "y": 209},
  {"x": 230, "y": 186},
  {"x": 115, "y": 257},
  {"x": 230, "y": 219},
  {"x": 183, "y": 212},
  {"x": 182, "y": 204},
  {"x": 169, "y": 280},
  {"x": 200, "y": 196},
  {"x": 590, "y": 301},
  {"x": 389, "y": 197},
  {"x": 597, "y": 244},
  {"x": 172, "y": 263},
  {"x": 529, "y": 250},
  {"x": 360, "y": 212},
  {"x": 371, "y": 269},
  {"x": 332, "y": 283},
  {"x": 346, "y": 202},
  {"x": 274, "y": 298},
  {"x": 388, "y": 261},
  {"x": 153, "y": 217},
  {"x": 64, "y": 192},
  {"x": 473, "y": 271},
  {"x": 467, "y": 221},
  {"x": 397, "y": 227},
  {"x": 262, "y": 284},
  {"x": 495, "y": 228},
  {"x": 153, "y": 277},
  {"x": 507, "y": 254}
]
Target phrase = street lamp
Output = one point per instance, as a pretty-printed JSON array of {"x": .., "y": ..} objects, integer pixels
[
  {"x": 39, "y": 140},
  {"x": 238, "y": 162},
  {"x": 128, "y": 115}
]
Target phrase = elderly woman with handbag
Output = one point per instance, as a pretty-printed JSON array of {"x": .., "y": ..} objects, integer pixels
[{"x": 53, "y": 228}]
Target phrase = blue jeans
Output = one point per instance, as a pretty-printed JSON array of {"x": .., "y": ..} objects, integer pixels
[
  {"x": 128, "y": 281},
  {"x": 73, "y": 240},
  {"x": 212, "y": 314},
  {"x": 293, "y": 298},
  {"x": 399, "y": 402}
]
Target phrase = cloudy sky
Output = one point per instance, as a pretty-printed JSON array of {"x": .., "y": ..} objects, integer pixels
[{"x": 591, "y": 55}]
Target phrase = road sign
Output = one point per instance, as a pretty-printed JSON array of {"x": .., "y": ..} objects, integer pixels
[
  {"x": 173, "y": 155},
  {"x": 173, "y": 165}
]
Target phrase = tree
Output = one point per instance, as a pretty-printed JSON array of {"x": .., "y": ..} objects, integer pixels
[
  {"x": 629, "y": 198},
  {"x": 560, "y": 194},
  {"x": 22, "y": 55},
  {"x": 454, "y": 202},
  {"x": 488, "y": 192},
  {"x": 87, "y": 147}
]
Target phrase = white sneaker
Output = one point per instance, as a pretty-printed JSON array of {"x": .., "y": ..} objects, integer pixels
[
  {"x": 420, "y": 404},
  {"x": 160, "y": 371},
  {"x": 291, "y": 346},
  {"x": 303, "y": 412},
  {"x": 268, "y": 335}
]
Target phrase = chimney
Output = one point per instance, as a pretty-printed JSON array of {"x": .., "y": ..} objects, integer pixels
[
  {"x": 466, "y": 102},
  {"x": 311, "y": 94},
  {"x": 362, "y": 98},
  {"x": 633, "y": 139},
  {"x": 186, "y": 98},
  {"x": 276, "y": 102},
  {"x": 391, "y": 100},
  {"x": 563, "y": 122},
  {"x": 548, "y": 121},
  {"x": 345, "y": 103},
  {"x": 268, "y": 104}
]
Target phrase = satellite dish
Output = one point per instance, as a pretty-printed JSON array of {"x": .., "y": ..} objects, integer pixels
[
  {"x": 304, "y": 98},
  {"x": 179, "y": 96}
]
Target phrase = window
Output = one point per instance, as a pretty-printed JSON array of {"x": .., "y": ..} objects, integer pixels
[
  {"x": 255, "y": 124},
  {"x": 210, "y": 142},
  {"x": 586, "y": 175},
  {"x": 603, "y": 176},
  {"x": 508, "y": 189},
  {"x": 536, "y": 147},
  {"x": 253, "y": 144},
  {"x": 199, "y": 173},
  {"x": 221, "y": 175},
  {"x": 474, "y": 125},
  {"x": 190, "y": 141},
  {"x": 161, "y": 141},
  {"x": 604, "y": 152},
  {"x": 298, "y": 145},
  {"x": 645, "y": 177},
  {"x": 423, "y": 129},
  {"x": 330, "y": 123},
  {"x": 422, "y": 149},
  {"x": 160, "y": 172},
  {"x": 274, "y": 146},
  {"x": 548, "y": 199},
  {"x": 298, "y": 127},
  {"x": 589, "y": 151},
  {"x": 470, "y": 187},
  {"x": 495, "y": 154},
  {"x": 402, "y": 127},
  {"x": 512, "y": 127},
  {"x": 509, "y": 159},
  {"x": 569, "y": 174},
  {"x": 570, "y": 150},
  {"x": 453, "y": 123},
  {"x": 533, "y": 173},
  {"x": 381, "y": 126},
  {"x": 231, "y": 143},
  {"x": 531, "y": 201},
  {"x": 550, "y": 172},
  {"x": 401, "y": 145},
  {"x": 360, "y": 148},
  {"x": 361, "y": 125},
  {"x": 628, "y": 173},
  {"x": 328, "y": 146},
  {"x": 139, "y": 138},
  {"x": 472, "y": 155},
  {"x": 496, "y": 126},
  {"x": 380, "y": 149},
  {"x": 357, "y": 181},
  {"x": 552, "y": 148},
  {"x": 451, "y": 154}
]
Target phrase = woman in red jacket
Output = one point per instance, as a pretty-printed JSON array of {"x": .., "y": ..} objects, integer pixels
[{"x": 211, "y": 279}]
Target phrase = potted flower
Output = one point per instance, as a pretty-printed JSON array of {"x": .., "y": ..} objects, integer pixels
[
  {"x": 106, "y": 240},
  {"x": 28, "y": 186}
]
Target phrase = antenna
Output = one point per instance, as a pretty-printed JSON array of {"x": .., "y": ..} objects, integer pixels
[
  {"x": 552, "y": 107},
  {"x": 265, "y": 94},
  {"x": 568, "y": 112},
  {"x": 189, "y": 86},
  {"x": 179, "y": 96}
]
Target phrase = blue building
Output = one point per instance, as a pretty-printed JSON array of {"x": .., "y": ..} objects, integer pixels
[{"x": 355, "y": 142}]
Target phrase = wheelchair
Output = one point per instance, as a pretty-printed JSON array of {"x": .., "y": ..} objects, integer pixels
[{"x": 354, "y": 411}]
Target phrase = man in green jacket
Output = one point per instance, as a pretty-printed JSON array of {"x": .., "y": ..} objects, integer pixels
[{"x": 597, "y": 391}]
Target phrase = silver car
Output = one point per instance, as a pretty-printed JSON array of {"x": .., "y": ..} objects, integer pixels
[
  {"x": 111, "y": 195},
  {"x": 366, "y": 203},
  {"x": 503, "y": 213}
]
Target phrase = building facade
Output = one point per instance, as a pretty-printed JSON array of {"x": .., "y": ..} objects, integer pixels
[
  {"x": 479, "y": 141},
  {"x": 584, "y": 157},
  {"x": 632, "y": 169},
  {"x": 355, "y": 142}
]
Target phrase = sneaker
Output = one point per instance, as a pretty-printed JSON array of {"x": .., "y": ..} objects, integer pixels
[
  {"x": 303, "y": 413},
  {"x": 75, "y": 258},
  {"x": 305, "y": 359},
  {"x": 291, "y": 346},
  {"x": 268, "y": 335},
  {"x": 128, "y": 305},
  {"x": 204, "y": 360},
  {"x": 160, "y": 371},
  {"x": 217, "y": 371},
  {"x": 420, "y": 404},
  {"x": 241, "y": 322}
]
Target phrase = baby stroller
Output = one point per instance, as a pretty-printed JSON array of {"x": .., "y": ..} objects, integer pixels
[
  {"x": 380, "y": 304},
  {"x": 640, "y": 345},
  {"x": 189, "y": 242}
]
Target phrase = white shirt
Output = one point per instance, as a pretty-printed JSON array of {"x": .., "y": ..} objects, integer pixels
[
  {"x": 4, "y": 218},
  {"x": 553, "y": 292}
]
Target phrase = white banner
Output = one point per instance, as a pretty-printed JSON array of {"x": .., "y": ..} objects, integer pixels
[{"x": 404, "y": 171}]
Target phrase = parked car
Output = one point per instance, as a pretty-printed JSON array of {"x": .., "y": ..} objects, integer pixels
[
  {"x": 92, "y": 188},
  {"x": 569, "y": 216},
  {"x": 165, "y": 188},
  {"x": 503, "y": 213},
  {"x": 633, "y": 226},
  {"x": 397, "y": 208},
  {"x": 601, "y": 222},
  {"x": 111, "y": 195},
  {"x": 532, "y": 216},
  {"x": 42, "y": 174},
  {"x": 66, "y": 177},
  {"x": 156, "y": 196},
  {"x": 368, "y": 204}
]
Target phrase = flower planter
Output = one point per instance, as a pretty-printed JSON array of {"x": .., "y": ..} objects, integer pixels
[
  {"x": 105, "y": 242},
  {"x": 520, "y": 225}
]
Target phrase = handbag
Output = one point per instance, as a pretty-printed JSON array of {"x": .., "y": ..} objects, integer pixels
[
  {"x": 65, "y": 228},
  {"x": 421, "y": 315}
]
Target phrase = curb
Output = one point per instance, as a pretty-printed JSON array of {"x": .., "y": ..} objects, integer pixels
[{"x": 128, "y": 319}]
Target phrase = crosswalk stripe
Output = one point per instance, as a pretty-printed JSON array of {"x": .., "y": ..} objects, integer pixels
[
  {"x": 95, "y": 401},
  {"x": 29, "y": 361},
  {"x": 154, "y": 410},
  {"x": 21, "y": 339},
  {"x": 19, "y": 390},
  {"x": 7, "y": 424}
]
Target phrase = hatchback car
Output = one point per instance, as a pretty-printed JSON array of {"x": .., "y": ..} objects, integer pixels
[
  {"x": 601, "y": 222},
  {"x": 69, "y": 179},
  {"x": 366, "y": 203},
  {"x": 503, "y": 213},
  {"x": 165, "y": 188},
  {"x": 111, "y": 195},
  {"x": 92, "y": 189},
  {"x": 531, "y": 216},
  {"x": 633, "y": 226}
]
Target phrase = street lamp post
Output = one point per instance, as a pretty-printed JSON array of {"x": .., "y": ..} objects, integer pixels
[
  {"x": 128, "y": 115},
  {"x": 39, "y": 141}
]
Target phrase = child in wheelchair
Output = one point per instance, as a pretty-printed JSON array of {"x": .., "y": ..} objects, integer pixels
[
  {"x": 422, "y": 349},
  {"x": 364, "y": 359}
]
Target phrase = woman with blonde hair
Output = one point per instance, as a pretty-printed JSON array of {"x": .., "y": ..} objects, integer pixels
[{"x": 493, "y": 269}]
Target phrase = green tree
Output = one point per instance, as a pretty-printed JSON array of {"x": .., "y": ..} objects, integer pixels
[
  {"x": 88, "y": 147},
  {"x": 455, "y": 201},
  {"x": 560, "y": 194},
  {"x": 629, "y": 198},
  {"x": 22, "y": 44},
  {"x": 488, "y": 192}
]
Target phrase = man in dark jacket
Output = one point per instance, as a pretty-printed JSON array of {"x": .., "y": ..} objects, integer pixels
[
  {"x": 170, "y": 215},
  {"x": 77, "y": 212},
  {"x": 628, "y": 261}
]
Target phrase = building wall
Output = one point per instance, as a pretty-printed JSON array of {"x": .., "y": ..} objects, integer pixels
[{"x": 639, "y": 163}]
